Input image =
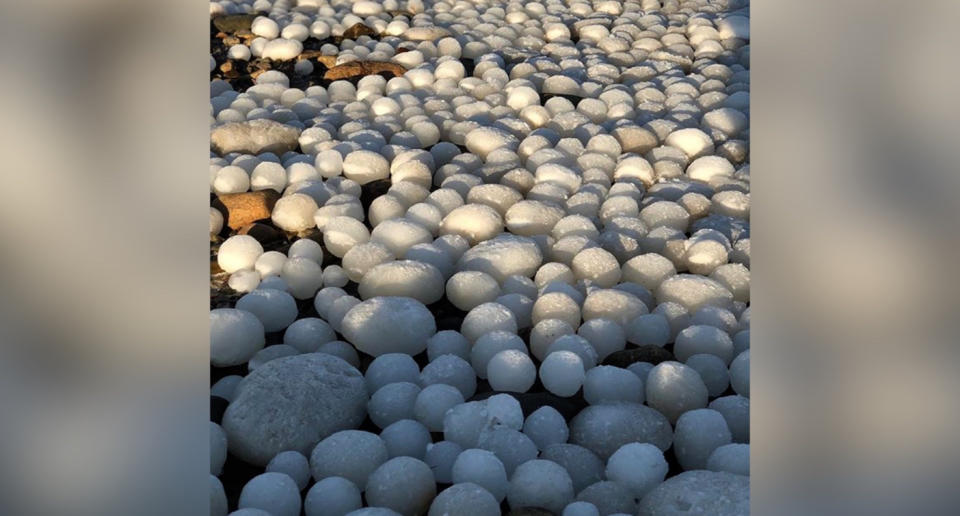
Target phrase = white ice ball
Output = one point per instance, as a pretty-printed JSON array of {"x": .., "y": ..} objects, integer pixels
[
  {"x": 511, "y": 371},
  {"x": 238, "y": 252},
  {"x": 275, "y": 493},
  {"x": 638, "y": 466},
  {"x": 562, "y": 373}
]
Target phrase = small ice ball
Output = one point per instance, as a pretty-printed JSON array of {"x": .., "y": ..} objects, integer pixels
[
  {"x": 578, "y": 345},
  {"x": 218, "y": 448},
  {"x": 332, "y": 495},
  {"x": 363, "y": 257},
  {"x": 235, "y": 336},
  {"x": 713, "y": 372},
  {"x": 638, "y": 466},
  {"x": 324, "y": 301},
  {"x": 294, "y": 213},
  {"x": 475, "y": 222},
  {"x": 736, "y": 411},
  {"x": 303, "y": 277},
  {"x": 282, "y": 49},
  {"x": 440, "y": 457},
  {"x": 697, "y": 434},
  {"x": 741, "y": 341},
  {"x": 463, "y": 423},
  {"x": 238, "y": 252},
  {"x": 581, "y": 509},
  {"x": 469, "y": 289},
  {"x": 276, "y": 309},
  {"x": 399, "y": 235},
  {"x": 306, "y": 248},
  {"x": 608, "y": 384},
  {"x": 648, "y": 270},
  {"x": 562, "y": 373},
  {"x": 406, "y": 438},
  {"x": 517, "y": 284},
  {"x": 698, "y": 339},
  {"x": 491, "y": 343},
  {"x": 715, "y": 316},
  {"x": 365, "y": 166},
  {"x": 673, "y": 388},
  {"x": 481, "y": 467},
  {"x": 216, "y": 221},
  {"x": 740, "y": 374},
  {"x": 218, "y": 498},
  {"x": 403, "y": 484},
  {"x": 275, "y": 493},
  {"x": 540, "y": 483},
  {"x": 450, "y": 370},
  {"x": 335, "y": 276},
  {"x": 387, "y": 325},
  {"x": 432, "y": 403},
  {"x": 544, "y": 333},
  {"x": 546, "y": 427},
  {"x": 230, "y": 180},
  {"x": 391, "y": 368},
  {"x": 556, "y": 305},
  {"x": 732, "y": 458},
  {"x": 265, "y": 27},
  {"x": 485, "y": 318},
  {"x": 604, "y": 335},
  {"x": 597, "y": 265},
  {"x": 392, "y": 402},
  {"x": 270, "y": 263},
  {"x": 352, "y": 454},
  {"x": 584, "y": 467},
  {"x": 226, "y": 387},
  {"x": 465, "y": 499},
  {"x": 448, "y": 342},
  {"x": 293, "y": 464},
  {"x": 511, "y": 371}
]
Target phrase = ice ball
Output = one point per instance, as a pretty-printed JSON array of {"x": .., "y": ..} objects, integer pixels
[{"x": 238, "y": 252}]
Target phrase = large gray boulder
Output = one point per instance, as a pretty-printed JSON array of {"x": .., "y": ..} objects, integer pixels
[
  {"x": 254, "y": 137},
  {"x": 604, "y": 428},
  {"x": 699, "y": 492},
  {"x": 291, "y": 403}
]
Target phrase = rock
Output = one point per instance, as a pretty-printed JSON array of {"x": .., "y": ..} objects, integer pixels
[
  {"x": 357, "y": 69},
  {"x": 603, "y": 429},
  {"x": 389, "y": 325},
  {"x": 699, "y": 492},
  {"x": 254, "y": 137},
  {"x": 426, "y": 33},
  {"x": 357, "y": 30},
  {"x": 264, "y": 233},
  {"x": 234, "y": 23},
  {"x": 647, "y": 353},
  {"x": 248, "y": 207},
  {"x": 291, "y": 403}
]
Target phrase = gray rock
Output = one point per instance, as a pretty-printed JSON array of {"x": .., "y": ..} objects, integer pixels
[
  {"x": 699, "y": 492},
  {"x": 604, "y": 428},
  {"x": 254, "y": 137},
  {"x": 292, "y": 403}
]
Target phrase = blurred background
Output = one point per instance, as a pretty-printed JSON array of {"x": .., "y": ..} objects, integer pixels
[{"x": 104, "y": 261}]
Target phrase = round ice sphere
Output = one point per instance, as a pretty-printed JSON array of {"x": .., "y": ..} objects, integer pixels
[
  {"x": 483, "y": 468},
  {"x": 332, "y": 495},
  {"x": 275, "y": 493},
  {"x": 451, "y": 370},
  {"x": 605, "y": 428},
  {"x": 343, "y": 233},
  {"x": 270, "y": 263},
  {"x": 218, "y": 498},
  {"x": 365, "y": 166},
  {"x": 475, "y": 222},
  {"x": 351, "y": 454},
  {"x": 673, "y": 388},
  {"x": 465, "y": 499},
  {"x": 335, "y": 276},
  {"x": 468, "y": 289},
  {"x": 265, "y": 27},
  {"x": 604, "y": 335},
  {"x": 740, "y": 374},
  {"x": 528, "y": 218},
  {"x": 276, "y": 309},
  {"x": 712, "y": 371},
  {"x": 648, "y": 270},
  {"x": 363, "y": 257},
  {"x": 235, "y": 336},
  {"x": 693, "y": 292},
  {"x": 544, "y": 333},
  {"x": 583, "y": 465},
  {"x": 521, "y": 306},
  {"x": 556, "y": 305},
  {"x": 578, "y": 345},
  {"x": 736, "y": 411},
  {"x": 440, "y": 457},
  {"x": 693, "y": 142},
  {"x": 231, "y": 179},
  {"x": 392, "y": 402},
  {"x": 545, "y": 427},
  {"x": 341, "y": 349},
  {"x": 448, "y": 342},
  {"x": 293, "y": 464},
  {"x": 294, "y": 212},
  {"x": 540, "y": 483},
  {"x": 218, "y": 448},
  {"x": 581, "y": 509},
  {"x": 638, "y": 466},
  {"x": 216, "y": 221},
  {"x": 597, "y": 265},
  {"x": 613, "y": 304},
  {"x": 403, "y": 484},
  {"x": 389, "y": 325},
  {"x": 491, "y": 343},
  {"x": 303, "y": 277},
  {"x": 698, "y": 339},
  {"x": 405, "y": 278},
  {"x": 741, "y": 341},
  {"x": 399, "y": 235},
  {"x": 608, "y": 384},
  {"x": 511, "y": 371},
  {"x": 238, "y": 252},
  {"x": 485, "y": 318},
  {"x": 699, "y": 432},
  {"x": 732, "y": 458},
  {"x": 226, "y": 387},
  {"x": 433, "y": 402},
  {"x": 391, "y": 368},
  {"x": 406, "y": 438},
  {"x": 462, "y": 423},
  {"x": 562, "y": 373}
]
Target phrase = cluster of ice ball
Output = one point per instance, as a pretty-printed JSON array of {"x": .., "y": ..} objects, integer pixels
[{"x": 613, "y": 216}]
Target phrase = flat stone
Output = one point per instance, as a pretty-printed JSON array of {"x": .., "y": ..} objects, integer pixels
[
  {"x": 291, "y": 403},
  {"x": 247, "y": 207},
  {"x": 233, "y": 23},
  {"x": 358, "y": 69},
  {"x": 357, "y": 30},
  {"x": 699, "y": 492},
  {"x": 254, "y": 137}
]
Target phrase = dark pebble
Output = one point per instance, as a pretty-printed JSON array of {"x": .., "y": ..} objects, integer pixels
[{"x": 648, "y": 353}]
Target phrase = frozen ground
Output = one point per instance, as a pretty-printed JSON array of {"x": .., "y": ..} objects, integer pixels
[{"x": 480, "y": 257}]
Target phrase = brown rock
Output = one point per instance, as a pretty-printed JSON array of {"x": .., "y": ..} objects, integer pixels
[
  {"x": 232, "y": 23},
  {"x": 247, "y": 207},
  {"x": 264, "y": 233},
  {"x": 357, "y": 30},
  {"x": 356, "y": 69}
]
